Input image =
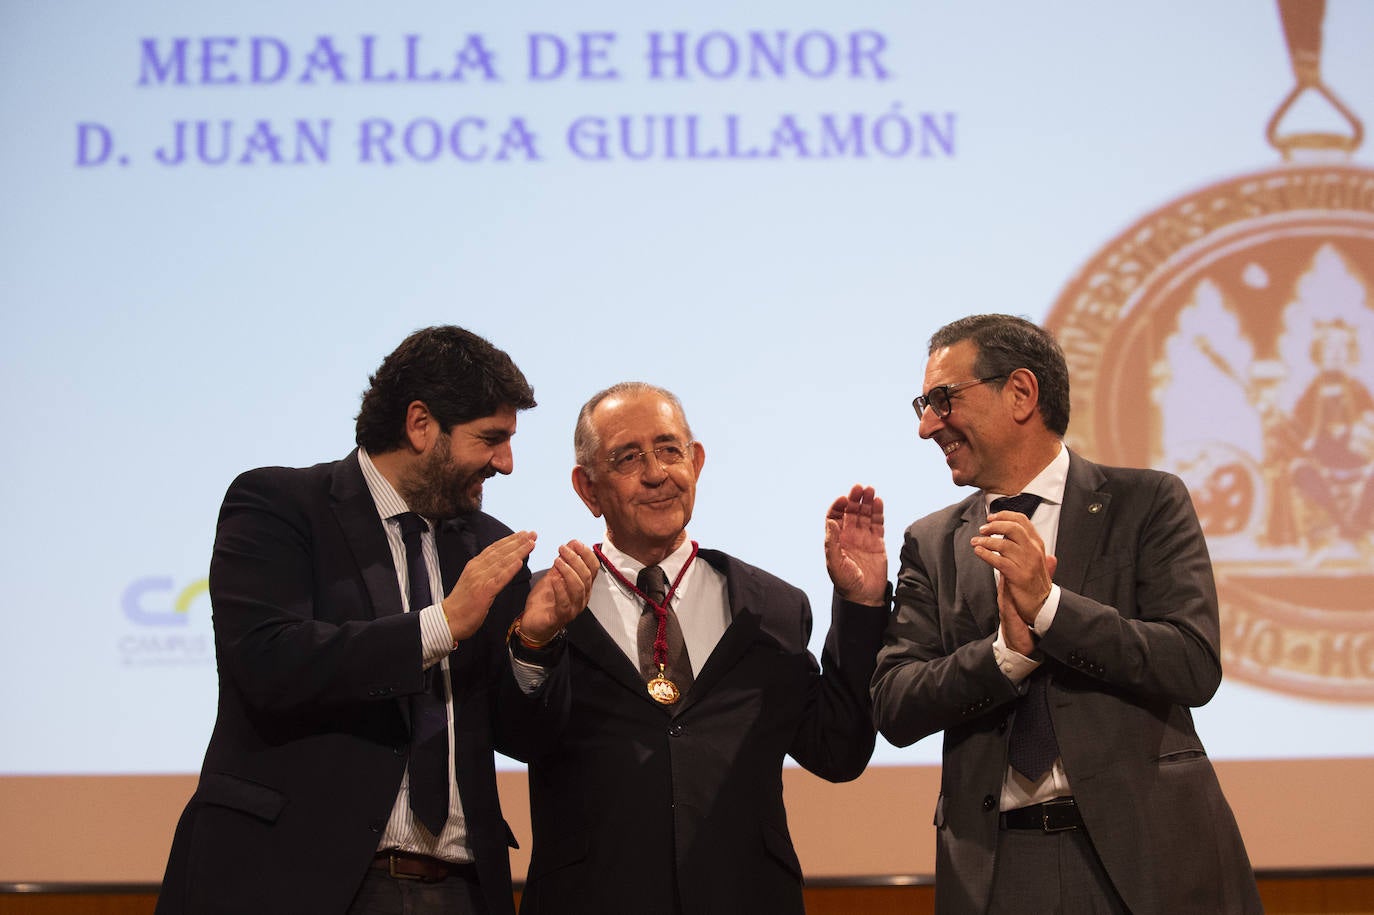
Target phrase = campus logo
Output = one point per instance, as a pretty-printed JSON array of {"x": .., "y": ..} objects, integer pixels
[
  {"x": 167, "y": 627},
  {"x": 157, "y": 601}
]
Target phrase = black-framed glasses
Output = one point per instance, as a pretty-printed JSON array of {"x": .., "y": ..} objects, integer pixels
[
  {"x": 668, "y": 454},
  {"x": 938, "y": 397}
]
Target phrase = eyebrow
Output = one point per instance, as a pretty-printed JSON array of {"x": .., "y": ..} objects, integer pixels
[
  {"x": 498, "y": 432},
  {"x": 661, "y": 438}
]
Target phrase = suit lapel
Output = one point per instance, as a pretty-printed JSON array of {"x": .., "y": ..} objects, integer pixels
[
  {"x": 363, "y": 530},
  {"x": 366, "y": 538},
  {"x": 1082, "y": 522},
  {"x": 742, "y": 632},
  {"x": 587, "y": 634},
  {"x": 977, "y": 585},
  {"x": 746, "y": 626},
  {"x": 746, "y": 616},
  {"x": 456, "y": 544}
]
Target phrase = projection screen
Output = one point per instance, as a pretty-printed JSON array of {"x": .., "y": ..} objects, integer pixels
[{"x": 218, "y": 218}]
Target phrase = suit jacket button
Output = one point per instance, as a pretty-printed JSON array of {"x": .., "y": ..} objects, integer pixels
[
  {"x": 675, "y": 730},
  {"x": 989, "y": 802}
]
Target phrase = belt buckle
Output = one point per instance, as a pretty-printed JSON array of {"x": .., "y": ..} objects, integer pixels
[
  {"x": 1047, "y": 811},
  {"x": 391, "y": 860}
]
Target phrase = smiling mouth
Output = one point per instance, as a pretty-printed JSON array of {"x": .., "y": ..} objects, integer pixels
[{"x": 950, "y": 448}]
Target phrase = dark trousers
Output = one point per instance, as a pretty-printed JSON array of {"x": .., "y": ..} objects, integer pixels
[
  {"x": 383, "y": 894},
  {"x": 1050, "y": 872}
]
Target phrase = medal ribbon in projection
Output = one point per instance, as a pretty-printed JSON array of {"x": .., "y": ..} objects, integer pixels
[
  {"x": 661, "y": 688},
  {"x": 1302, "y": 30}
]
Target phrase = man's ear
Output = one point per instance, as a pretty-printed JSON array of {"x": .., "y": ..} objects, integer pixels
[
  {"x": 586, "y": 491},
  {"x": 421, "y": 427},
  {"x": 698, "y": 459},
  {"x": 1024, "y": 389}
]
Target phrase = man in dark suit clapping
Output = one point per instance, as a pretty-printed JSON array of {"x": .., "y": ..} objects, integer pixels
[{"x": 691, "y": 681}]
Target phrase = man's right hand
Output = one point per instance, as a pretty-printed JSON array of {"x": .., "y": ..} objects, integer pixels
[
  {"x": 561, "y": 594},
  {"x": 483, "y": 578}
]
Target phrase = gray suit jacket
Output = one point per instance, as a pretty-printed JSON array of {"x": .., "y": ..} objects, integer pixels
[{"x": 1133, "y": 646}]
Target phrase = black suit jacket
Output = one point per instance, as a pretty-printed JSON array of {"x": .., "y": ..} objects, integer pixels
[
  {"x": 641, "y": 802},
  {"x": 1133, "y": 646},
  {"x": 316, "y": 661}
]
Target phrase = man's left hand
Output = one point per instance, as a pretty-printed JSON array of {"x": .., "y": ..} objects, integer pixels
[
  {"x": 855, "y": 555},
  {"x": 1009, "y": 543}
]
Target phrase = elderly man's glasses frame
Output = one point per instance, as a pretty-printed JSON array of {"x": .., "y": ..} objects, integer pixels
[{"x": 668, "y": 454}]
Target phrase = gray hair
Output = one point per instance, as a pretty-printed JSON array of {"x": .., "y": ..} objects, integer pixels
[{"x": 586, "y": 443}]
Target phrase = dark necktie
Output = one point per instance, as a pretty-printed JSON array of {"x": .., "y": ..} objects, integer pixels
[
  {"x": 1032, "y": 747},
  {"x": 1026, "y": 503},
  {"x": 429, "y": 760},
  {"x": 678, "y": 668}
]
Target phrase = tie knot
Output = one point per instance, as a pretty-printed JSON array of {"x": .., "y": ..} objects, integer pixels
[
  {"x": 1025, "y": 503},
  {"x": 411, "y": 524},
  {"x": 653, "y": 581}
]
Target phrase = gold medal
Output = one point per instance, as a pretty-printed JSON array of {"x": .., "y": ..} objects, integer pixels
[
  {"x": 663, "y": 690},
  {"x": 1228, "y": 336}
]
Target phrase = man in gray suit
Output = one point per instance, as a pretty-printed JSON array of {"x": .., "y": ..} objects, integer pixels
[{"x": 1059, "y": 642}]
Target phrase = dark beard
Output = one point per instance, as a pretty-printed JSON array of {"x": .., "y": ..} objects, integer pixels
[{"x": 438, "y": 491}]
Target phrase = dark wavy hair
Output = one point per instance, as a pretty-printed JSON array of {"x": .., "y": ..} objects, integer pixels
[
  {"x": 1007, "y": 343},
  {"x": 458, "y": 375}
]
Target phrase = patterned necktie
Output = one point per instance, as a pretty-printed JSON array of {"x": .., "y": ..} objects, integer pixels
[
  {"x": 429, "y": 758},
  {"x": 678, "y": 667},
  {"x": 1032, "y": 747}
]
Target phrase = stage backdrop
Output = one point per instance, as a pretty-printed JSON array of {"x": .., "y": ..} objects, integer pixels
[{"x": 218, "y": 218}]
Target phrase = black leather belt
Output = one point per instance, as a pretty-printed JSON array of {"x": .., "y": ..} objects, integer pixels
[
  {"x": 1057, "y": 815},
  {"x": 406, "y": 866}
]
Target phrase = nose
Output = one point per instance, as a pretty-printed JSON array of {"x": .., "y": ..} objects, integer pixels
[
  {"x": 652, "y": 470},
  {"x": 930, "y": 423},
  {"x": 503, "y": 461}
]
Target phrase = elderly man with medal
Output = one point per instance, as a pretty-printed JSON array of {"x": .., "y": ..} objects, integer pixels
[{"x": 691, "y": 681}]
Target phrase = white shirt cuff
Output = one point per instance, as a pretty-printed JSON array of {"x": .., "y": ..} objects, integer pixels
[
  {"x": 1014, "y": 665},
  {"x": 529, "y": 677},
  {"x": 436, "y": 640}
]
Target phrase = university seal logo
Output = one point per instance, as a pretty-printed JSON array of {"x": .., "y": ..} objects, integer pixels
[{"x": 1228, "y": 336}]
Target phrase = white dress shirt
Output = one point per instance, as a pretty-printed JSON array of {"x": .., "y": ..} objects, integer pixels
[
  {"x": 1017, "y": 790},
  {"x": 700, "y": 602},
  {"x": 403, "y": 831}
]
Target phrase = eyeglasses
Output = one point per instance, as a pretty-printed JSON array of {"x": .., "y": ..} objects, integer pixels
[
  {"x": 669, "y": 454},
  {"x": 937, "y": 398}
]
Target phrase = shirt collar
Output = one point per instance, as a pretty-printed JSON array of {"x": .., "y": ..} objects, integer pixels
[
  {"x": 388, "y": 501},
  {"x": 1048, "y": 484},
  {"x": 629, "y": 566}
]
